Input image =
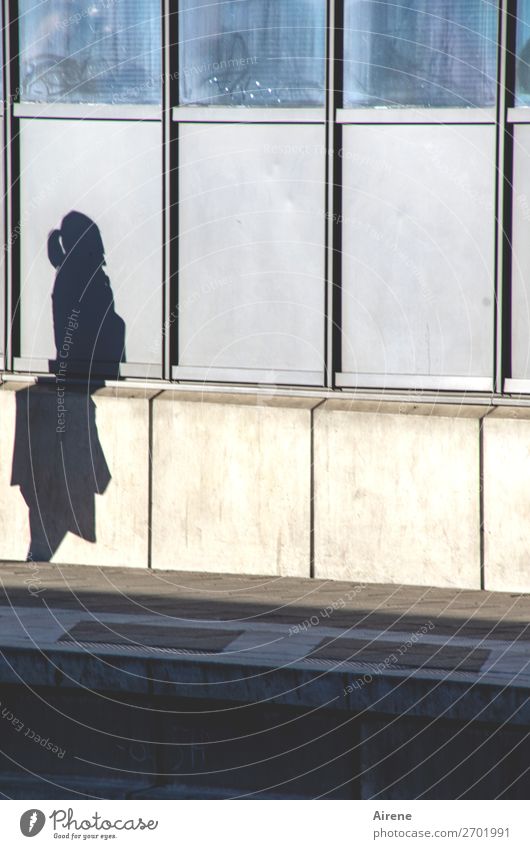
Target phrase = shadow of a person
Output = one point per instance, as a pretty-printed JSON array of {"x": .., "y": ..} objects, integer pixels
[{"x": 58, "y": 461}]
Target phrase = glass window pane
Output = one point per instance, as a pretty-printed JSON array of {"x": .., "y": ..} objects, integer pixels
[
  {"x": 522, "y": 75},
  {"x": 420, "y": 52},
  {"x": 252, "y": 52},
  {"x": 90, "y": 51}
]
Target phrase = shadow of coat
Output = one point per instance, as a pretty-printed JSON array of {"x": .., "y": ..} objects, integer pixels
[{"x": 59, "y": 465}]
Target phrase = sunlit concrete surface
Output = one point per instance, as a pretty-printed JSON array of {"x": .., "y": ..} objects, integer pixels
[
  {"x": 507, "y": 499},
  {"x": 397, "y": 493},
  {"x": 231, "y": 483},
  {"x": 263, "y": 482}
]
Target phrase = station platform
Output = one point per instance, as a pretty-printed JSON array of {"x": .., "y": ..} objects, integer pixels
[{"x": 127, "y": 683}]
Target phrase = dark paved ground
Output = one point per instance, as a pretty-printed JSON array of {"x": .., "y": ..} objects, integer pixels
[
  {"x": 217, "y": 686},
  {"x": 229, "y": 598}
]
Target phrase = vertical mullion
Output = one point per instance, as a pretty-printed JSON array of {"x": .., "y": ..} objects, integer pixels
[
  {"x": 336, "y": 218},
  {"x": 166, "y": 191},
  {"x": 10, "y": 76},
  {"x": 173, "y": 185},
  {"x": 503, "y": 210},
  {"x": 4, "y": 114},
  {"x": 330, "y": 203}
]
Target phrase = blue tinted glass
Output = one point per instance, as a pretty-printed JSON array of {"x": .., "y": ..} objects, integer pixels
[
  {"x": 420, "y": 52},
  {"x": 522, "y": 76},
  {"x": 252, "y": 52},
  {"x": 90, "y": 51}
]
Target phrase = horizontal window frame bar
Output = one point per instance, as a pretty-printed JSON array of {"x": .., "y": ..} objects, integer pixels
[
  {"x": 405, "y": 115},
  {"x": 456, "y": 383},
  {"x": 202, "y": 389},
  {"x": 518, "y": 115},
  {"x": 271, "y": 377},
  {"x": 88, "y": 111},
  {"x": 247, "y": 115}
]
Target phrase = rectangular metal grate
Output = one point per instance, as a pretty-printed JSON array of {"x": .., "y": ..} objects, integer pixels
[
  {"x": 153, "y": 636},
  {"x": 418, "y": 655}
]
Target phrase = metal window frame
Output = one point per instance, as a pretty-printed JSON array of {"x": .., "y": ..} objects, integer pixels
[
  {"x": 334, "y": 116},
  {"x": 504, "y": 192},
  {"x": 11, "y": 172},
  {"x": 171, "y": 205},
  {"x": 291, "y": 115},
  {"x": 403, "y": 116},
  {"x": 125, "y": 112}
]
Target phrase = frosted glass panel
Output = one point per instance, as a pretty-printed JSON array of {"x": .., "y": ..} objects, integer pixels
[
  {"x": 251, "y": 251},
  {"x": 418, "y": 253},
  {"x": 90, "y": 51},
  {"x": 108, "y": 172},
  {"x": 420, "y": 52},
  {"x": 252, "y": 52}
]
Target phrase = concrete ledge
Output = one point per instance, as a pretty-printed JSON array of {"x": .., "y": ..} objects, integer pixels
[
  {"x": 397, "y": 497},
  {"x": 514, "y": 413},
  {"x": 247, "y": 399}
]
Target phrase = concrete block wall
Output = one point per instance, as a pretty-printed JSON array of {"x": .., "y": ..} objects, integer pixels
[
  {"x": 231, "y": 483},
  {"x": 412, "y": 493},
  {"x": 507, "y": 499},
  {"x": 397, "y": 493}
]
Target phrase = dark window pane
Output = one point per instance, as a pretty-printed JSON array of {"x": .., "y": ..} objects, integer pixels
[
  {"x": 90, "y": 51},
  {"x": 252, "y": 52},
  {"x": 420, "y": 52}
]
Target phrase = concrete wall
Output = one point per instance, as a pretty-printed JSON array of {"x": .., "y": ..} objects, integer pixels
[
  {"x": 397, "y": 493},
  {"x": 267, "y": 484},
  {"x": 507, "y": 499},
  {"x": 231, "y": 483}
]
